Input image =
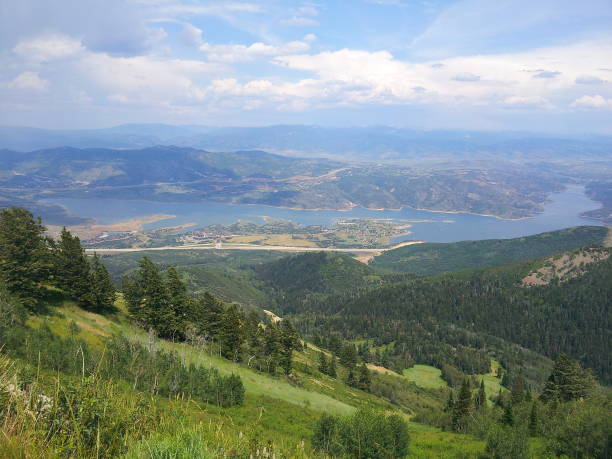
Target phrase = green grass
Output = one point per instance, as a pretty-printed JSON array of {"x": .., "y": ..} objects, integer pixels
[
  {"x": 274, "y": 409},
  {"x": 425, "y": 376}
]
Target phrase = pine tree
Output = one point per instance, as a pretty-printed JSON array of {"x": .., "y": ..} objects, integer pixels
[
  {"x": 272, "y": 347},
  {"x": 463, "y": 407},
  {"x": 179, "y": 302},
  {"x": 481, "y": 398},
  {"x": 332, "y": 372},
  {"x": 518, "y": 390},
  {"x": 148, "y": 299},
  {"x": 567, "y": 381},
  {"x": 348, "y": 355},
  {"x": 289, "y": 342},
  {"x": 450, "y": 403},
  {"x": 363, "y": 377},
  {"x": 508, "y": 416},
  {"x": 102, "y": 290},
  {"x": 72, "y": 268},
  {"x": 25, "y": 261},
  {"x": 230, "y": 335},
  {"x": 323, "y": 368},
  {"x": 533, "y": 420},
  {"x": 350, "y": 378}
]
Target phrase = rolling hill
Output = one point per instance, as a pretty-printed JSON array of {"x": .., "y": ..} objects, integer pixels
[{"x": 431, "y": 258}]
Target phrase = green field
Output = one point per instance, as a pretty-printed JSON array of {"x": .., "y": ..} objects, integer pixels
[{"x": 425, "y": 376}]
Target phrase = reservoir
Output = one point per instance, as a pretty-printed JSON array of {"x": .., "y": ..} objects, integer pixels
[{"x": 561, "y": 211}]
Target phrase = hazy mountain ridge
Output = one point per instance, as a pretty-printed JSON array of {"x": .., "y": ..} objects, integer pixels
[
  {"x": 255, "y": 177},
  {"x": 374, "y": 143}
]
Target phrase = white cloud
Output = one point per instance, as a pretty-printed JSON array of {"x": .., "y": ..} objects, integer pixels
[
  {"x": 243, "y": 53},
  {"x": 589, "y": 79},
  {"x": 596, "y": 101},
  {"x": 466, "y": 76},
  {"x": 191, "y": 35},
  {"x": 48, "y": 47},
  {"x": 28, "y": 81},
  {"x": 300, "y": 21},
  {"x": 148, "y": 80}
]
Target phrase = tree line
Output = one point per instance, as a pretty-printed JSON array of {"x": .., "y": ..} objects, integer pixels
[{"x": 31, "y": 262}]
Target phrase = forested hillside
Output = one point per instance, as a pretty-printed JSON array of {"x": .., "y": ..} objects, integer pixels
[
  {"x": 476, "y": 310},
  {"x": 429, "y": 258}
]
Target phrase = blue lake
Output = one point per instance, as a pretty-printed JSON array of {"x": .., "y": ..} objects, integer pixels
[{"x": 562, "y": 211}]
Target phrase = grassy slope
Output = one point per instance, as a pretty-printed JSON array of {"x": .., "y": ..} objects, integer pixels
[
  {"x": 273, "y": 407},
  {"x": 425, "y": 376},
  {"x": 430, "y": 258}
]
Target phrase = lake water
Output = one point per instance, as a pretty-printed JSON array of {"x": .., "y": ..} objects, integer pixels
[{"x": 562, "y": 211}]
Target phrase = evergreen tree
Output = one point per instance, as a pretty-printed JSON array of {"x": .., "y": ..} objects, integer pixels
[
  {"x": 177, "y": 291},
  {"x": 323, "y": 368},
  {"x": 72, "y": 268},
  {"x": 289, "y": 342},
  {"x": 533, "y": 420},
  {"x": 332, "y": 367},
  {"x": 567, "y": 381},
  {"x": 508, "y": 416},
  {"x": 272, "y": 347},
  {"x": 350, "y": 378},
  {"x": 348, "y": 355},
  {"x": 462, "y": 408},
  {"x": 481, "y": 398},
  {"x": 102, "y": 291},
  {"x": 518, "y": 390},
  {"x": 24, "y": 254},
  {"x": 450, "y": 403},
  {"x": 230, "y": 335},
  {"x": 363, "y": 377},
  {"x": 148, "y": 299}
]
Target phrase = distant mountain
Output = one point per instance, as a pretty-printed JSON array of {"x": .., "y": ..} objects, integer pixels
[
  {"x": 170, "y": 173},
  {"x": 434, "y": 258},
  {"x": 376, "y": 143}
]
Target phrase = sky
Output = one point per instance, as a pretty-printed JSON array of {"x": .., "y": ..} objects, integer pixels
[{"x": 543, "y": 65}]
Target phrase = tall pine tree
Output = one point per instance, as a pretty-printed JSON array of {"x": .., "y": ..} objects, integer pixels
[
  {"x": 25, "y": 261},
  {"x": 72, "y": 270},
  {"x": 102, "y": 290}
]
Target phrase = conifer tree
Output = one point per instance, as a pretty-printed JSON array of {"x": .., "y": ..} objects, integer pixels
[
  {"x": 148, "y": 298},
  {"x": 508, "y": 416},
  {"x": 567, "y": 381},
  {"x": 481, "y": 398},
  {"x": 230, "y": 335},
  {"x": 24, "y": 254},
  {"x": 350, "y": 378},
  {"x": 332, "y": 372},
  {"x": 323, "y": 363},
  {"x": 72, "y": 268},
  {"x": 348, "y": 355},
  {"x": 180, "y": 302},
  {"x": 518, "y": 390},
  {"x": 363, "y": 378},
  {"x": 533, "y": 420},
  {"x": 289, "y": 340},
  {"x": 462, "y": 408},
  {"x": 450, "y": 403},
  {"x": 102, "y": 291}
]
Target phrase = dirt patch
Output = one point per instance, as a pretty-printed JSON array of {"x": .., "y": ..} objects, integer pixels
[
  {"x": 383, "y": 370},
  {"x": 565, "y": 267},
  {"x": 273, "y": 317}
]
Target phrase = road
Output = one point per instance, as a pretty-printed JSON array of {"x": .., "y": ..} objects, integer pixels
[{"x": 249, "y": 247}]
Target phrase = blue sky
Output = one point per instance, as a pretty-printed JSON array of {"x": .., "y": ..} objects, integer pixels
[{"x": 541, "y": 65}]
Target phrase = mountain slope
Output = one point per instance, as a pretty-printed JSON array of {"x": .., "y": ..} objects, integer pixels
[
  {"x": 434, "y": 258},
  {"x": 487, "y": 309}
]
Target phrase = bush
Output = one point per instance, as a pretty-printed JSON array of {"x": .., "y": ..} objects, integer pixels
[
  {"x": 507, "y": 443},
  {"x": 365, "y": 434}
]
